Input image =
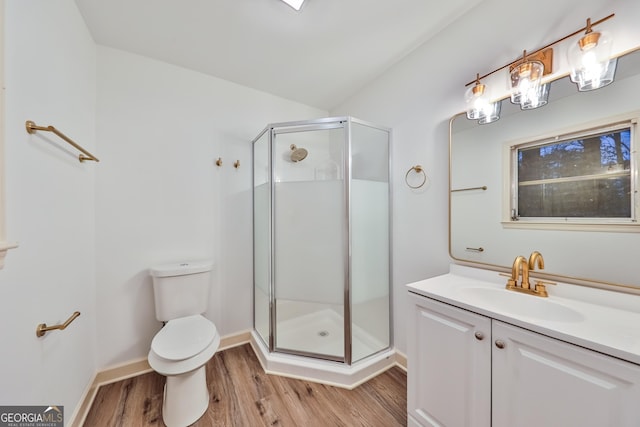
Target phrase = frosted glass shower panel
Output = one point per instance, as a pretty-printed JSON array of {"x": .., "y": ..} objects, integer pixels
[
  {"x": 262, "y": 240},
  {"x": 370, "y": 276},
  {"x": 310, "y": 242}
]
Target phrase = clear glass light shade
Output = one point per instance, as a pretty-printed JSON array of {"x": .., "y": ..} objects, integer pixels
[
  {"x": 477, "y": 102},
  {"x": 525, "y": 81},
  {"x": 492, "y": 113},
  {"x": 590, "y": 61},
  {"x": 296, "y": 4},
  {"x": 536, "y": 99}
]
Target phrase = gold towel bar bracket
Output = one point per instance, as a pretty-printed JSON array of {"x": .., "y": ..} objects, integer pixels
[
  {"x": 32, "y": 128},
  {"x": 43, "y": 328}
]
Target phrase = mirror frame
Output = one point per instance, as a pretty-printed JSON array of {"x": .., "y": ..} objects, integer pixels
[
  {"x": 4, "y": 245},
  {"x": 506, "y": 268}
]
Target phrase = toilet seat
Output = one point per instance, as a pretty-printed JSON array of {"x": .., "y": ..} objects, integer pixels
[
  {"x": 183, "y": 338},
  {"x": 183, "y": 345},
  {"x": 170, "y": 367}
]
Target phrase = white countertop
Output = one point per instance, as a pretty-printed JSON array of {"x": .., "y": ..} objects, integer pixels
[{"x": 597, "y": 319}]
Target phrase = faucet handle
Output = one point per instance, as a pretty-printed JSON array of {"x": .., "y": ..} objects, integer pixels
[
  {"x": 510, "y": 283},
  {"x": 540, "y": 289}
]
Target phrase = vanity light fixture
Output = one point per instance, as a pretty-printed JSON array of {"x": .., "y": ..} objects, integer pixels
[
  {"x": 479, "y": 106},
  {"x": 525, "y": 82},
  {"x": 492, "y": 113},
  {"x": 537, "y": 99},
  {"x": 589, "y": 58},
  {"x": 476, "y": 100},
  {"x": 296, "y": 4},
  {"x": 591, "y": 68}
]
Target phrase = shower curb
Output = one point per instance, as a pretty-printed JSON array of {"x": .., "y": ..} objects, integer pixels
[{"x": 330, "y": 373}]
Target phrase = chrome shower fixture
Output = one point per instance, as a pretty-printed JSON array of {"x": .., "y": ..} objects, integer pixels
[{"x": 298, "y": 154}]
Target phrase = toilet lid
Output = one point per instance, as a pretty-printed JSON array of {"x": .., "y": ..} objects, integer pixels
[{"x": 183, "y": 338}]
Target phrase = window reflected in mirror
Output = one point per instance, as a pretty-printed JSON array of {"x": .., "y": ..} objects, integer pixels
[{"x": 580, "y": 176}]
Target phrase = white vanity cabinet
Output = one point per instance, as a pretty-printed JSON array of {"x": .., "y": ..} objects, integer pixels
[
  {"x": 541, "y": 381},
  {"x": 467, "y": 370},
  {"x": 449, "y": 361}
]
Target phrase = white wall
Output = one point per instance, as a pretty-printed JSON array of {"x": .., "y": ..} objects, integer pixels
[
  {"x": 88, "y": 231},
  {"x": 160, "y": 198},
  {"x": 50, "y": 79},
  {"x": 419, "y": 95}
]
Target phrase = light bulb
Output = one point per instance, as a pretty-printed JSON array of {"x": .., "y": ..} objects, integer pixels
[{"x": 590, "y": 61}]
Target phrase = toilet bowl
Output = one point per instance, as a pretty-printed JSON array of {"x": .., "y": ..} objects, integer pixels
[
  {"x": 187, "y": 341},
  {"x": 180, "y": 351}
]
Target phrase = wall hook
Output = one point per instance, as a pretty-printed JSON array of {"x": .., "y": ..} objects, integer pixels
[
  {"x": 219, "y": 161},
  {"x": 236, "y": 164}
]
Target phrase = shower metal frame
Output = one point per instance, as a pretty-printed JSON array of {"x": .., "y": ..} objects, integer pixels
[{"x": 343, "y": 122}]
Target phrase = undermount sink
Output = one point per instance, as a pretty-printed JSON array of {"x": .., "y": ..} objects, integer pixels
[{"x": 510, "y": 302}]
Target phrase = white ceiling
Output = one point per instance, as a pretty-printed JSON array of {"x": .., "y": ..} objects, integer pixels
[{"x": 319, "y": 56}]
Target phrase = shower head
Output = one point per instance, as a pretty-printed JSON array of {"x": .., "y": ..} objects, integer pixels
[{"x": 298, "y": 154}]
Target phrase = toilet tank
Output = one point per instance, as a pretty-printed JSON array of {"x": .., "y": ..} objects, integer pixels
[{"x": 181, "y": 289}]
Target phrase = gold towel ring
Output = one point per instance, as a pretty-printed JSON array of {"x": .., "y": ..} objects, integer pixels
[{"x": 416, "y": 169}]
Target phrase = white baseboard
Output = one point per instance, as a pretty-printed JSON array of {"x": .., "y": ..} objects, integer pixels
[
  {"x": 131, "y": 369},
  {"x": 401, "y": 360}
]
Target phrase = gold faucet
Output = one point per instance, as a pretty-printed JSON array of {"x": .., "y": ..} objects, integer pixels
[
  {"x": 522, "y": 267},
  {"x": 536, "y": 256},
  {"x": 519, "y": 266}
]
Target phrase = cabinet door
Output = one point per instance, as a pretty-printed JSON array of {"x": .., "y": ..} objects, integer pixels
[
  {"x": 540, "y": 381},
  {"x": 449, "y": 361}
]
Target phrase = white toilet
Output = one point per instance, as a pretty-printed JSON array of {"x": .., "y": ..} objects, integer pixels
[{"x": 187, "y": 341}]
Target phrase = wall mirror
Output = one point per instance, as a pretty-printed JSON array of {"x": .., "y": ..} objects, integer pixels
[
  {"x": 4, "y": 245},
  {"x": 478, "y": 233}
]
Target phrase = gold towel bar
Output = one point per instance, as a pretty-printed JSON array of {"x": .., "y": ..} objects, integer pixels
[
  {"x": 43, "y": 328},
  {"x": 484, "y": 187},
  {"x": 32, "y": 128}
]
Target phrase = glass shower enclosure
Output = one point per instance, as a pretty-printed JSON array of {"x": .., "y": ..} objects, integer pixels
[{"x": 321, "y": 224}]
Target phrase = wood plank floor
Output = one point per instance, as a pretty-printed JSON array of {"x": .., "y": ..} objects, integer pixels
[{"x": 243, "y": 395}]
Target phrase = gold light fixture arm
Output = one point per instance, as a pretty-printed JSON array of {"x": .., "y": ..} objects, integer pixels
[
  {"x": 43, "y": 328},
  {"x": 538, "y": 51},
  {"x": 32, "y": 128}
]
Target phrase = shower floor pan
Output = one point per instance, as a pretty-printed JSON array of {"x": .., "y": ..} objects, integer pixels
[{"x": 322, "y": 332}]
